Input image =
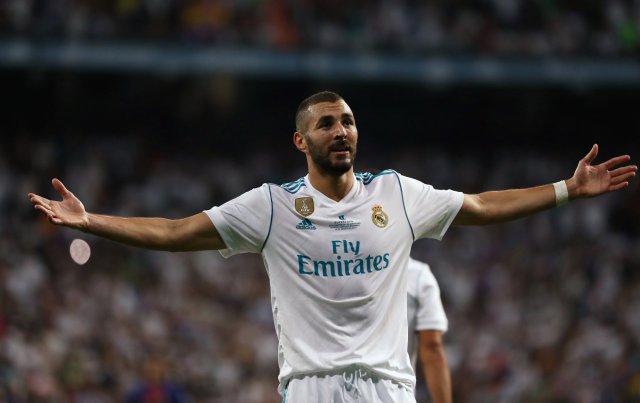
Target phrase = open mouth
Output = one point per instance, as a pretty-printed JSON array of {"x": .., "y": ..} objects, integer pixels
[
  {"x": 342, "y": 148},
  {"x": 342, "y": 153}
]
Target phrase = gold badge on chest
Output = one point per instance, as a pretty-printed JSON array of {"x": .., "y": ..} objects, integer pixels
[
  {"x": 379, "y": 217},
  {"x": 304, "y": 206}
]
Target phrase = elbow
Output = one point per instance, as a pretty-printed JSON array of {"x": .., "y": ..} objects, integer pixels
[
  {"x": 476, "y": 211},
  {"x": 433, "y": 353},
  {"x": 487, "y": 212},
  {"x": 431, "y": 343},
  {"x": 433, "y": 347}
]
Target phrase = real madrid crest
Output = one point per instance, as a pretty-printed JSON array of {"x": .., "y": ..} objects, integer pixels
[
  {"x": 379, "y": 217},
  {"x": 304, "y": 206}
]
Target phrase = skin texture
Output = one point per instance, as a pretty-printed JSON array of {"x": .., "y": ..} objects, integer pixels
[
  {"x": 192, "y": 233},
  {"x": 329, "y": 143},
  {"x": 588, "y": 180},
  {"x": 434, "y": 365}
]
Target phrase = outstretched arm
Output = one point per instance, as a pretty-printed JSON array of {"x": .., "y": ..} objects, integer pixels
[
  {"x": 435, "y": 366},
  {"x": 587, "y": 181},
  {"x": 187, "y": 234}
]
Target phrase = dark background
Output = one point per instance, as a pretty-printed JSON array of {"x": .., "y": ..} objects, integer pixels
[{"x": 544, "y": 309}]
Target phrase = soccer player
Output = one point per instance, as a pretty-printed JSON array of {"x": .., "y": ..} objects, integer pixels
[
  {"x": 335, "y": 245},
  {"x": 427, "y": 322}
]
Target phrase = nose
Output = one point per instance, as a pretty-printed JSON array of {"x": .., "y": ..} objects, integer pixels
[{"x": 341, "y": 132}]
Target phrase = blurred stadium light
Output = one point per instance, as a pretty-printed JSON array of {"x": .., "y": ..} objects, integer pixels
[{"x": 400, "y": 68}]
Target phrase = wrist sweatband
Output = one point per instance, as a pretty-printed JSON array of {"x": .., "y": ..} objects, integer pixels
[{"x": 562, "y": 193}]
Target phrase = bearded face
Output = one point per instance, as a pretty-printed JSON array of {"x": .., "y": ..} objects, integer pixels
[
  {"x": 331, "y": 137},
  {"x": 335, "y": 158}
]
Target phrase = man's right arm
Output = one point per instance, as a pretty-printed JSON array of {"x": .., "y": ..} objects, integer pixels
[{"x": 187, "y": 234}]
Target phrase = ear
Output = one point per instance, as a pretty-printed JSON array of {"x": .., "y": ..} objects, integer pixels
[{"x": 300, "y": 141}]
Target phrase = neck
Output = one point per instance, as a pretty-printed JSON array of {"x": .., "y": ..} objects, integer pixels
[{"x": 334, "y": 187}]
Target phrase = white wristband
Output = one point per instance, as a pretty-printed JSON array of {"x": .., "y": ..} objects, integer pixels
[{"x": 562, "y": 193}]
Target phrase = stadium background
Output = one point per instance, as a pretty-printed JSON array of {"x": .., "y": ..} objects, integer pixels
[{"x": 170, "y": 107}]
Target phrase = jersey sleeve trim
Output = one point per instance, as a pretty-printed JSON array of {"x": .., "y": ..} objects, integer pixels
[
  {"x": 367, "y": 177},
  {"x": 293, "y": 187},
  {"x": 404, "y": 206},
  {"x": 221, "y": 225},
  {"x": 459, "y": 200},
  {"x": 432, "y": 325},
  {"x": 270, "y": 220}
]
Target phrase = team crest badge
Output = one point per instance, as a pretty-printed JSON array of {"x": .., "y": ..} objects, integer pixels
[
  {"x": 304, "y": 206},
  {"x": 379, "y": 217}
]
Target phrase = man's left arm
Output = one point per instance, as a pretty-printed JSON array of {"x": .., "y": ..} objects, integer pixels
[
  {"x": 434, "y": 365},
  {"x": 587, "y": 181}
]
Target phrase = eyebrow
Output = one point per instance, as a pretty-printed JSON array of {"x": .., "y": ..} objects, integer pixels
[{"x": 329, "y": 118}]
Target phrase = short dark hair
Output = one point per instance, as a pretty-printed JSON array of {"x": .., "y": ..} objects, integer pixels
[{"x": 303, "y": 108}]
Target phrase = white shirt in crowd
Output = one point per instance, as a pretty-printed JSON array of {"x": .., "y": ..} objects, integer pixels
[{"x": 424, "y": 306}]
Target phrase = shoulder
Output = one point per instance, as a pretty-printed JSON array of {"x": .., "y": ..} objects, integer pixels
[
  {"x": 254, "y": 197},
  {"x": 287, "y": 191},
  {"x": 290, "y": 187},
  {"x": 368, "y": 177}
]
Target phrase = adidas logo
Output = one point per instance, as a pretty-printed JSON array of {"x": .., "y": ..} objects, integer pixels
[{"x": 305, "y": 224}]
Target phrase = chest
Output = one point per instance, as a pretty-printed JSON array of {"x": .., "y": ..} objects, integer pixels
[{"x": 368, "y": 223}]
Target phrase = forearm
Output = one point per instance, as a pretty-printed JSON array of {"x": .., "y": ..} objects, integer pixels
[
  {"x": 193, "y": 233},
  {"x": 506, "y": 205},
  {"x": 148, "y": 233},
  {"x": 436, "y": 370},
  {"x": 435, "y": 366}
]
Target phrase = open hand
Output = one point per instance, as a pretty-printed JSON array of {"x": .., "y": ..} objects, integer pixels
[
  {"x": 69, "y": 212},
  {"x": 592, "y": 180}
]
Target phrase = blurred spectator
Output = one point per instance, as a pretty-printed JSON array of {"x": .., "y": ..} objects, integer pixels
[
  {"x": 155, "y": 387},
  {"x": 502, "y": 27},
  {"x": 541, "y": 310},
  {"x": 550, "y": 319}
]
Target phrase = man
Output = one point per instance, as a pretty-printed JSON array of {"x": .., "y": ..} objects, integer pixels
[
  {"x": 427, "y": 322},
  {"x": 335, "y": 245}
]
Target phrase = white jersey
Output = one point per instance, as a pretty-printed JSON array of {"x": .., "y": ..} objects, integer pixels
[
  {"x": 337, "y": 270},
  {"x": 424, "y": 307}
]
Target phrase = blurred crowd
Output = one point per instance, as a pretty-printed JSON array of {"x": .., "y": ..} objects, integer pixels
[
  {"x": 541, "y": 310},
  {"x": 503, "y": 27}
]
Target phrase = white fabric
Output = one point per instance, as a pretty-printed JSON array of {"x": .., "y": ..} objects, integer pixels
[
  {"x": 424, "y": 306},
  {"x": 562, "y": 193},
  {"x": 338, "y": 281},
  {"x": 350, "y": 385}
]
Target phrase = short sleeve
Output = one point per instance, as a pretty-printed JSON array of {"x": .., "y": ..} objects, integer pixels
[
  {"x": 244, "y": 222},
  {"x": 430, "y": 314},
  {"x": 430, "y": 211}
]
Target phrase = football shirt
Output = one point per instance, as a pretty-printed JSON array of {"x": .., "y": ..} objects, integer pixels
[
  {"x": 337, "y": 269},
  {"x": 424, "y": 306}
]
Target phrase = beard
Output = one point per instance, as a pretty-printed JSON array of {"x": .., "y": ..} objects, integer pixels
[{"x": 322, "y": 158}]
